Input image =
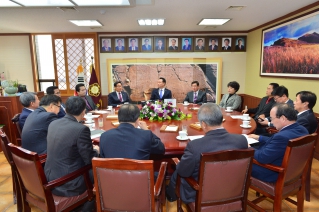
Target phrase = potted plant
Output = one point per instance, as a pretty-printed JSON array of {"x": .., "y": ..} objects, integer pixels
[{"x": 12, "y": 87}]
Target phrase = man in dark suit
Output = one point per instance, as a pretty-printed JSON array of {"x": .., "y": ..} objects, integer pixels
[
  {"x": 160, "y": 46},
  {"x": 213, "y": 46},
  {"x": 146, "y": 46},
  {"x": 30, "y": 102},
  {"x": 118, "y": 97},
  {"x": 240, "y": 45},
  {"x": 173, "y": 46},
  {"x": 271, "y": 150},
  {"x": 187, "y": 46},
  {"x": 196, "y": 96},
  {"x": 199, "y": 45},
  {"x": 305, "y": 101},
  {"x": 81, "y": 91},
  {"x": 69, "y": 149},
  {"x": 133, "y": 46},
  {"x": 34, "y": 133},
  {"x": 106, "y": 47},
  {"x": 119, "y": 46},
  {"x": 55, "y": 90},
  {"x": 127, "y": 141},
  {"x": 216, "y": 139},
  {"x": 227, "y": 47},
  {"x": 161, "y": 92},
  {"x": 265, "y": 105}
]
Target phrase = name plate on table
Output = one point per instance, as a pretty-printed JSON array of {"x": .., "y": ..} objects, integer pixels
[
  {"x": 115, "y": 123},
  {"x": 112, "y": 117},
  {"x": 196, "y": 126},
  {"x": 169, "y": 128}
]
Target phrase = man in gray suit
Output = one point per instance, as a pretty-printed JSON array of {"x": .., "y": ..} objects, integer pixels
[
  {"x": 196, "y": 96},
  {"x": 81, "y": 91},
  {"x": 69, "y": 149},
  {"x": 216, "y": 139}
]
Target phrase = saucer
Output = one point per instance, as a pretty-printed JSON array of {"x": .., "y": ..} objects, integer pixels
[
  {"x": 91, "y": 117},
  {"x": 245, "y": 127},
  {"x": 89, "y": 122},
  {"x": 181, "y": 139},
  {"x": 228, "y": 111},
  {"x": 245, "y": 119}
]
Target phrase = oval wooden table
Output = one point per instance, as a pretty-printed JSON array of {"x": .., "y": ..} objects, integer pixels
[{"x": 173, "y": 146}]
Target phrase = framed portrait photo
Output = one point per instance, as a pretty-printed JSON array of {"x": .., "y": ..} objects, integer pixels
[
  {"x": 119, "y": 45},
  {"x": 226, "y": 43},
  {"x": 173, "y": 44},
  {"x": 133, "y": 44},
  {"x": 147, "y": 44},
  {"x": 106, "y": 45},
  {"x": 187, "y": 44},
  {"x": 213, "y": 44},
  {"x": 200, "y": 44},
  {"x": 240, "y": 43},
  {"x": 159, "y": 44}
]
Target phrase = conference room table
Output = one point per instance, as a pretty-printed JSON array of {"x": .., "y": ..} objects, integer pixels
[{"x": 175, "y": 147}]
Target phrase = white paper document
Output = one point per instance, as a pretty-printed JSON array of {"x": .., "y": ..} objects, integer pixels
[
  {"x": 96, "y": 133},
  {"x": 171, "y": 128},
  {"x": 237, "y": 116},
  {"x": 100, "y": 111},
  {"x": 250, "y": 140},
  {"x": 193, "y": 137}
]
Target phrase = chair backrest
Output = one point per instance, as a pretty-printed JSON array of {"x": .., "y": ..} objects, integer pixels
[
  {"x": 124, "y": 184},
  {"x": 4, "y": 146},
  {"x": 15, "y": 120},
  {"x": 30, "y": 171},
  {"x": 224, "y": 178},
  {"x": 298, "y": 153}
]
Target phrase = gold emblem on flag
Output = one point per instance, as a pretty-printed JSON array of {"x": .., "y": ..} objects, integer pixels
[{"x": 94, "y": 89}]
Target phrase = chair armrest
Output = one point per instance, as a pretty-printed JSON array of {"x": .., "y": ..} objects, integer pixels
[
  {"x": 269, "y": 166},
  {"x": 18, "y": 141},
  {"x": 192, "y": 182},
  {"x": 160, "y": 179},
  {"x": 43, "y": 158},
  {"x": 271, "y": 130},
  {"x": 62, "y": 180},
  {"x": 175, "y": 160}
]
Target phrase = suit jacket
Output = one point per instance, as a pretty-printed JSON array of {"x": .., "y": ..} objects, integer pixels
[
  {"x": 228, "y": 48},
  {"x": 62, "y": 112},
  {"x": 130, "y": 48},
  {"x": 308, "y": 120},
  {"x": 215, "y": 47},
  {"x": 91, "y": 103},
  {"x": 272, "y": 149},
  {"x": 173, "y": 48},
  {"x": 262, "y": 108},
  {"x": 213, "y": 141},
  {"x": 155, "y": 94},
  {"x": 234, "y": 101},
  {"x": 201, "y": 97},
  {"x": 23, "y": 116},
  {"x": 197, "y": 48},
  {"x": 106, "y": 49},
  {"x": 240, "y": 48},
  {"x": 69, "y": 149},
  {"x": 117, "y": 48},
  {"x": 189, "y": 47},
  {"x": 126, "y": 141},
  {"x": 162, "y": 48},
  {"x": 114, "y": 100},
  {"x": 35, "y": 130},
  {"x": 148, "y": 48}
]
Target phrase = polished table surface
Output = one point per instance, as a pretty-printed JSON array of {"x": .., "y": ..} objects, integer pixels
[{"x": 176, "y": 147}]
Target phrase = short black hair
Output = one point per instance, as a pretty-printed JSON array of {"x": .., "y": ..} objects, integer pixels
[
  {"x": 146, "y": 39},
  {"x": 280, "y": 91},
  {"x": 173, "y": 39},
  {"x": 163, "y": 79},
  {"x": 117, "y": 82},
  {"x": 284, "y": 109},
  {"x": 213, "y": 39},
  {"x": 197, "y": 83},
  {"x": 132, "y": 39},
  {"x": 200, "y": 39},
  {"x": 50, "y": 98},
  {"x": 308, "y": 96},
  {"x": 26, "y": 98},
  {"x": 234, "y": 85},
  {"x": 227, "y": 40},
  {"x": 75, "y": 105},
  {"x": 274, "y": 85},
  {"x": 50, "y": 90},
  {"x": 78, "y": 86},
  {"x": 186, "y": 39},
  {"x": 128, "y": 113}
]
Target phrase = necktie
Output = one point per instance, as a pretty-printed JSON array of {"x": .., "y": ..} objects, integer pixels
[
  {"x": 87, "y": 104},
  {"x": 133, "y": 48},
  {"x": 161, "y": 93},
  {"x": 268, "y": 100},
  {"x": 159, "y": 48},
  {"x": 195, "y": 97},
  {"x": 120, "y": 97}
]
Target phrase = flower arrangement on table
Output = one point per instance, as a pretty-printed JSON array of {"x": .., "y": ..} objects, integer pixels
[{"x": 160, "y": 111}]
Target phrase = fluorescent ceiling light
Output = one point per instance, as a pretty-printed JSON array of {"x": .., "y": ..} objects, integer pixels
[
  {"x": 148, "y": 22},
  {"x": 86, "y": 22},
  {"x": 102, "y": 2},
  {"x": 7, "y": 3},
  {"x": 44, "y": 3},
  {"x": 213, "y": 21}
]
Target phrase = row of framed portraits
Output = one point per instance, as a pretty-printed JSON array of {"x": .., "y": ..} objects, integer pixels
[{"x": 172, "y": 44}]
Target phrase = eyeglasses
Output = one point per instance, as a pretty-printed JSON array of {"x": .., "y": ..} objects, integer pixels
[
  {"x": 275, "y": 98},
  {"x": 57, "y": 105}
]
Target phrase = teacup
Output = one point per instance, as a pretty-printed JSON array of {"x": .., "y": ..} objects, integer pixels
[
  {"x": 228, "y": 108},
  {"x": 182, "y": 134},
  {"x": 246, "y": 123},
  {"x": 109, "y": 107},
  {"x": 245, "y": 116},
  {"x": 185, "y": 102},
  {"x": 89, "y": 114}
]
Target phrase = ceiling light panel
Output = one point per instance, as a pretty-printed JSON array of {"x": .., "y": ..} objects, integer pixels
[
  {"x": 213, "y": 21},
  {"x": 44, "y": 3},
  {"x": 102, "y": 2},
  {"x": 86, "y": 23},
  {"x": 148, "y": 22},
  {"x": 7, "y": 3}
]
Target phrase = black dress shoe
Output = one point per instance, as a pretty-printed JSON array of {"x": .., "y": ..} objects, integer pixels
[{"x": 169, "y": 198}]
